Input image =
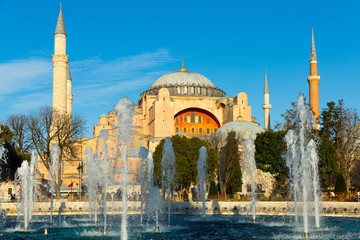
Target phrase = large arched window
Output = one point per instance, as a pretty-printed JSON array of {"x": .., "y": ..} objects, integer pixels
[{"x": 177, "y": 129}]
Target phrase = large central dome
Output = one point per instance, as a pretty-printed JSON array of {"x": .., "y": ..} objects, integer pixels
[
  {"x": 183, "y": 77},
  {"x": 185, "y": 83}
]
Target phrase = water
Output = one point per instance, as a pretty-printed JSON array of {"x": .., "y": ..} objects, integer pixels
[
  {"x": 185, "y": 227},
  {"x": 168, "y": 171},
  {"x": 54, "y": 154},
  {"x": 302, "y": 161},
  {"x": 25, "y": 176},
  {"x": 91, "y": 168},
  {"x": 124, "y": 111},
  {"x": 146, "y": 169},
  {"x": 202, "y": 176},
  {"x": 249, "y": 171}
]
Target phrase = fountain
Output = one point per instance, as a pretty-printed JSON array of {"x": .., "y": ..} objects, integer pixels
[
  {"x": 302, "y": 161},
  {"x": 25, "y": 175},
  {"x": 54, "y": 154},
  {"x": 124, "y": 111},
  {"x": 249, "y": 169},
  {"x": 104, "y": 170},
  {"x": 91, "y": 167},
  {"x": 154, "y": 205},
  {"x": 145, "y": 155},
  {"x": 168, "y": 171},
  {"x": 202, "y": 176}
]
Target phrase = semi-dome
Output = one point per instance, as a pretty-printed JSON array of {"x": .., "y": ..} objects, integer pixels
[
  {"x": 185, "y": 83},
  {"x": 244, "y": 128},
  {"x": 183, "y": 77}
]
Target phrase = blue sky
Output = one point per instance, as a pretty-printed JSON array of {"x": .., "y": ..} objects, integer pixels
[{"x": 119, "y": 48}]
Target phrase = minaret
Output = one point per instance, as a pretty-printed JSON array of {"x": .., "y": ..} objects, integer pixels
[
  {"x": 60, "y": 62},
  {"x": 69, "y": 96},
  {"x": 314, "y": 80},
  {"x": 267, "y": 105}
]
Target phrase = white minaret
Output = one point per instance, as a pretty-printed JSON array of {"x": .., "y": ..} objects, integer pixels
[
  {"x": 266, "y": 105},
  {"x": 69, "y": 96},
  {"x": 60, "y": 62}
]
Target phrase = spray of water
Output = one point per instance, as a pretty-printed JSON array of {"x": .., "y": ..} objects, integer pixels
[
  {"x": 168, "y": 171},
  {"x": 202, "y": 176},
  {"x": 91, "y": 169},
  {"x": 124, "y": 111},
  {"x": 54, "y": 154},
  {"x": 249, "y": 171},
  {"x": 302, "y": 161},
  {"x": 25, "y": 176},
  {"x": 142, "y": 179}
]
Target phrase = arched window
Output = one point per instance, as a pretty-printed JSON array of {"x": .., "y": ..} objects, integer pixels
[
  {"x": 185, "y": 90},
  {"x": 177, "y": 129},
  {"x": 208, "y": 121},
  {"x": 185, "y": 118},
  {"x": 200, "y": 130},
  {"x": 178, "y": 90},
  {"x": 177, "y": 120},
  {"x": 192, "y": 130},
  {"x": 208, "y": 130},
  {"x": 200, "y": 119},
  {"x": 192, "y": 117},
  {"x": 185, "y": 129}
]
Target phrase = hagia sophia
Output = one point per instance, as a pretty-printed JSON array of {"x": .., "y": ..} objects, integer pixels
[{"x": 181, "y": 102}]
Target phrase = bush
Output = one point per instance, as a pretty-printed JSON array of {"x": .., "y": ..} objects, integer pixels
[
  {"x": 213, "y": 189},
  {"x": 340, "y": 184}
]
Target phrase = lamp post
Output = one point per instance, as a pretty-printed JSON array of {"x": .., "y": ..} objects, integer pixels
[{"x": 80, "y": 169}]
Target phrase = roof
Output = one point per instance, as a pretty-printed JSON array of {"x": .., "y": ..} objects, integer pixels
[
  {"x": 60, "y": 26},
  {"x": 313, "y": 50},
  {"x": 244, "y": 128},
  {"x": 183, "y": 78}
]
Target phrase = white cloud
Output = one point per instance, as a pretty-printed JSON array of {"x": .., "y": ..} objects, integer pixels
[
  {"x": 24, "y": 75},
  {"x": 26, "y": 84}
]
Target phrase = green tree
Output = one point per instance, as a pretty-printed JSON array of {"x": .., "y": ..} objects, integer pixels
[
  {"x": 327, "y": 160},
  {"x": 270, "y": 147},
  {"x": 340, "y": 185},
  {"x": 213, "y": 189},
  {"x": 230, "y": 172},
  {"x": 186, "y": 152},
  {"x": 13, "y": 159},
  {"x": 340, "y": 125}
]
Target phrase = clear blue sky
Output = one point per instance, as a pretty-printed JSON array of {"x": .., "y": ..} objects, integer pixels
[{"x": 119, "y": 48}]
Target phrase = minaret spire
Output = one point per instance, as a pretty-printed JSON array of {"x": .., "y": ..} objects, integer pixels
[
  {"x": 267, "y": 105},
  {"x": 60, "y": 26},
  {"x": 313, "y": 51},
  {"x": 313, "y": 81},
  {"x": 266, "y": 87}
]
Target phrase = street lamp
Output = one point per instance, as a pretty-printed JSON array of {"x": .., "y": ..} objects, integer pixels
[{"x": 80, "y": 169}]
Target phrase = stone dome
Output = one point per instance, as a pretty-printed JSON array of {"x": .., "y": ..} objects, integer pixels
[
  {"x": 244, "y": 128},
  {"x": 183, "y": 83},
  {"x": 183, "y": 77}
]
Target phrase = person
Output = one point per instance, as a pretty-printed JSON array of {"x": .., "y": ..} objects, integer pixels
[
  {"x": 332, "y": 195},
  {"x": 358, "y": 196}
]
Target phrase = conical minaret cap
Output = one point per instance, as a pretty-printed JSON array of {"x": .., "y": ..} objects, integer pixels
[
  {"x": 60, "y": 26},
  {"x": 68, "y": 75},
  {"x": 313, "y": 51},
  {"x": 266, "y": 87}
]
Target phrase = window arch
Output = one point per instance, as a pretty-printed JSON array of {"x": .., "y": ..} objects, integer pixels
[
  {"x": 177, "y": 120},
  {"x": 200, "y": 130},
  {"x": 200, "y": 119},
  {"x": 185, "y": 118},
  {"x": 185, "y": 129},
  {"x": 208, "y": 130},
  {"x": 177, "y": 129},
  {"x": 192, "y": 117},
  {"x": 192, "y": 130}
]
